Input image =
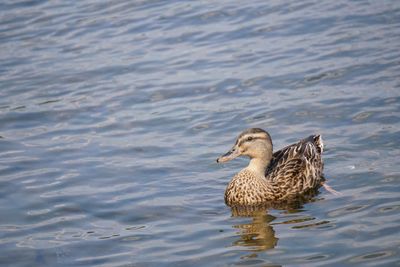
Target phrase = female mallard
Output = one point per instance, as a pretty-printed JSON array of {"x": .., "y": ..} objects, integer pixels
[{"x": 288, "y": 174}]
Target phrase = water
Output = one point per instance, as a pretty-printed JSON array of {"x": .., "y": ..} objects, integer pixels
[{"x": 112, "y": 114}]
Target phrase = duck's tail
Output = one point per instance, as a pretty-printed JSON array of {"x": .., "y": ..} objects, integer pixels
[{"x": 319, "y": 143}]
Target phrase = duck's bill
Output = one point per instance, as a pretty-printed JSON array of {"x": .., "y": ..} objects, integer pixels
[{"x": 228, "y": 156}]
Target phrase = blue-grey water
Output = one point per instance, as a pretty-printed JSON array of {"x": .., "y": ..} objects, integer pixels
[{"x": 112, "y": 114}]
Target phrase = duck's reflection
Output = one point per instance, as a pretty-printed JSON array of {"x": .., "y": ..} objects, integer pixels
[{"x": 258, "y": 234}]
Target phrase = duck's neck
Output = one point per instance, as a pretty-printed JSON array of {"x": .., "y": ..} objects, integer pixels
[{"x": 259, "y": 165}]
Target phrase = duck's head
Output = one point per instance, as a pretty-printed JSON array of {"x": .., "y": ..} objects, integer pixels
[{"x": 253, "y": 142}]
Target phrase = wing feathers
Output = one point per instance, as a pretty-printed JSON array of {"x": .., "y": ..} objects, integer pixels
[{"x": 298, "y": 165}]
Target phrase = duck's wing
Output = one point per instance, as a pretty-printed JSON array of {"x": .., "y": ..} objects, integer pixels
[{"x": 304, "y": 154}]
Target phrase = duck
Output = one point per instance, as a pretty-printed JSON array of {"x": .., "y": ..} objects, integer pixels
[{"x": 286, "y": 175}]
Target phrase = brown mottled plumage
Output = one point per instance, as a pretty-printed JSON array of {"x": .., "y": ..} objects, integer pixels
[{"x": 288, "y": 174}]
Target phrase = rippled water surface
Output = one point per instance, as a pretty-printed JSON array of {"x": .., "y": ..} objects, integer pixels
[{"x": 112, "y": 114}]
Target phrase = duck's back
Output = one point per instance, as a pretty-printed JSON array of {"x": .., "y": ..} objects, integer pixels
[{"x": 297, "y": 168}]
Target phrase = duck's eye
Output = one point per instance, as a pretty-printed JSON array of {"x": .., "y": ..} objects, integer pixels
[{"x": 250, "y": 138}]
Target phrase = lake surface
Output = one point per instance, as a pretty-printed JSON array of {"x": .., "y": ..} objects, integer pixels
[{"x": 112, "y": 114}]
